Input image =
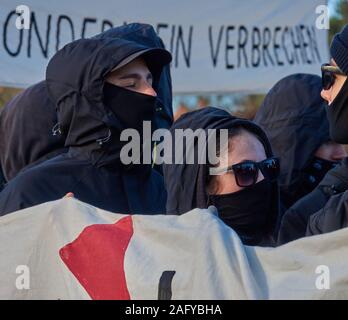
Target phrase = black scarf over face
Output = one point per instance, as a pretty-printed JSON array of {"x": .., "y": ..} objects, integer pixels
[
  {"x": 338, "y": 116},
  {"x": 246, "y": 211},
  {"x": 130, "y": 109}
]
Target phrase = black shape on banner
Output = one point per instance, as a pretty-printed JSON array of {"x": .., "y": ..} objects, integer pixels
[{"x": 165, "y": 285}]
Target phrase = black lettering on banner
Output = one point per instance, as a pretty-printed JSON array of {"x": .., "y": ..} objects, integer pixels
[
  {"x": 106, "y": 24},
  {"x": 161, "y": 26},
  {"x": 285, "y": 49},
  {"x": 296, "y": 44},
  {"x": 276, "y": 46},
  {"x": 180, "y": 40},
  {"x": 266, "y": 39},
  {"x": 299, "y": 36},
  {"x": 34, "y": 27},
  {"x": 84, "y": 25},
  {"x": 314, "y": 43},
  {"x": 229, "y": 47},
  {"x": 215, "y": 53},
  {"x": 172, "y": 39},
  {"x": 20, "y": 42},
  {"x": 242, "y": 41},
  {"x": 61, "y": 18},
  {"x": 304, "y": 44},
  {"x": 256, "y": 47}
]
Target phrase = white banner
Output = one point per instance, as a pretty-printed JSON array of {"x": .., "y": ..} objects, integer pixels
[
  {"x": 217, "y": 46},
  {"x": 67, "y": 249}
]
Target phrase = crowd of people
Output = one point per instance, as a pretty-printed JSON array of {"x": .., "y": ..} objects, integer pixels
[{"x": 285, "y": 172}]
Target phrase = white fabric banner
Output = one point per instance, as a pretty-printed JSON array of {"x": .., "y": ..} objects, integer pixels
[
  {"x": 217, "y": 46},
  {"x": 67, "y": 249}
]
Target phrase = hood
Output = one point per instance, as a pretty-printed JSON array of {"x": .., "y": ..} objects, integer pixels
[
  {"x": 26, "y": 124},
  {"x": 146, "y": 35},
  {"x": 75, "y": 79},
  {"x": 293, "y": 115},
  {"x": 186, "y": 183}
]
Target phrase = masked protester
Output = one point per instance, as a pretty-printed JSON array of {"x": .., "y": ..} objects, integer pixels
[
  {"x": 245, "y": 193},
  {"x": 100, "y": 87},
  {"x": 27, "y": 120},
  {"x": 294, "y": 117},
  {"x": 26, "y": 138},
  {"x": 146, "y": 35},
  {"x": 334, "y": 214}
]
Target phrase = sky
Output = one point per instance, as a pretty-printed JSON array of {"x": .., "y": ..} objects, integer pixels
[{"x": 332, "y": 4}]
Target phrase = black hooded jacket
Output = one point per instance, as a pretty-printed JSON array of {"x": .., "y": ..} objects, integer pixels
[
  {"x": 293, "y": 116},
  {"x": 296, "y": 219},
  {"x": 92, "y": 171},
  {"x": 186, "y": 183},
  {"x": 26, "y": 124},
  {"x": 333, "y": 216}
]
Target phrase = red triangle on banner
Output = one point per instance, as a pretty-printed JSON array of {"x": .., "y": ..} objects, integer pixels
[{"x": 96, "y": 258}]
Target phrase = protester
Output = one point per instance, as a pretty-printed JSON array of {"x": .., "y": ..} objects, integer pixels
[
  {"x": 294, "y": 118},
  {"x": 295, "y": 220},
  {"x": 26, "y": 137},
  {"x": 246, "y": 201},
  {"x": 334, "y": 215},
  {"x": 146, "y": 35},
  {"x": 28, "y": 119},
  {"x": 100, "y": 86}
]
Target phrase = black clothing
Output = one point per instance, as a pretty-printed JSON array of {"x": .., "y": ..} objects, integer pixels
[
  {"x": 187, "y": 183},
  {"x": 91, "y": 168}
]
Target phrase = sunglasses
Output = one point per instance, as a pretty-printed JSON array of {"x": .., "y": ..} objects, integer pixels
[
  {"x": 328, "y": 75},
  {"x": 247, "y": 172}
]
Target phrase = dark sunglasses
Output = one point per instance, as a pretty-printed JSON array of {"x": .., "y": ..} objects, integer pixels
[
  {"x": 247, "y": 172},
  {"x": 328, "y": 75}
]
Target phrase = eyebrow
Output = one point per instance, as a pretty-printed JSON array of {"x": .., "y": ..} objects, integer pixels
[{"x": 135, "y": 76}]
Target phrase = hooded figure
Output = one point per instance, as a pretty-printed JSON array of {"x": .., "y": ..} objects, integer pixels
[
  {"x": 295, "y": 221},
  {"x": 334, "y": 215},
  {"x": 26, "y": 124},
  {"x": 146, "y": 35},
  {"x": 91, "y": 122},
  {"x": 293, "y": 116},
  {"x": 186, "y": 184}
]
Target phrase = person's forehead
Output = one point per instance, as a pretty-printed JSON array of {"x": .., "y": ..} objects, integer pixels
[
  {"x": 246, "y": 146},
  {"x": 137, "y": 65}
]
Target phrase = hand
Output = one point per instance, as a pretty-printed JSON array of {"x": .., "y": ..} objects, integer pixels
[{"x": 69, "y": 195}]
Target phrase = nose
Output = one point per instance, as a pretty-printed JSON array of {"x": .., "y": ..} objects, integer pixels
[
  {"x": 260, "y": 176},
  {"x": 149, "y": 90},
  {"x": 340, "y": 153},
  {"x": 326, "y": 95}
]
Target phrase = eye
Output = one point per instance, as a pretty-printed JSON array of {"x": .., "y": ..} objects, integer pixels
[{"x": 129, "y": 84}]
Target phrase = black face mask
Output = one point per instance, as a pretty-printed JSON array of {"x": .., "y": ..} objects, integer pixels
[
  {"x": 338, "y": 116},
  {"x": 246, "y": 211},
  {"x": 130, "y": 108},
  {"x": 316, "y": 170}
]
